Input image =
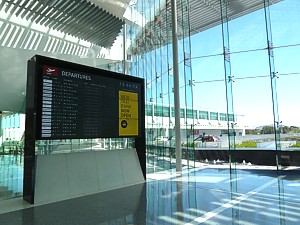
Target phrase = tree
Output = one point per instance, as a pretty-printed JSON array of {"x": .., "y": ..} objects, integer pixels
[
  {"x": 294, "y": 130},
  {"x": 285, "y": 129},
  {"x": 256, "y": 131},
  {"x": 267, "y": 130}
]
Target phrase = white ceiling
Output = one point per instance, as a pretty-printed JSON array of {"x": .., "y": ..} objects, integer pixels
[{"x": 79, "y": 18}]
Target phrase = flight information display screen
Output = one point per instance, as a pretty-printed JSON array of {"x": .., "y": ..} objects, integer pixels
[{"x": 74, "y": 105}]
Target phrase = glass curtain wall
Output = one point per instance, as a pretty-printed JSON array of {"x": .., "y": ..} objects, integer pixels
[
  {"x": 258, "y": 48},
  {"x": 238, "y": 83},
  {"x": 286, "y": 46},
  {"x": 151, "y": 58},
  {"x": 228, "y": 79},
  {"x": 187, "y": 83},
  {"x": 256, "y": 83}
]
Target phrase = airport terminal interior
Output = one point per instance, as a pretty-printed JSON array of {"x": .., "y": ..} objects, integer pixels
[{"x": 212, "y": 130}]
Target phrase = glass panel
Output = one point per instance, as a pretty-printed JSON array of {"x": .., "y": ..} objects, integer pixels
[
  {"x": 286, "y": 61},
  {"x": 158, "y": 110},
  {"x": 182, "y": 112},
  {"x": 149, "y": 110},
  {"x": 12, "y": 152},
  {"x": 191, "y": 114},
  {"x": 195, "y": 114},
  {"x": 166, "y": 111},
  {"x": 286, "y": 46},
  {"x": 253, "y": 117},
  {"x": 230, "y": 117},
  {"x": 209, "y": 97},
  {"x": 207, "y": 43},
  {"x": 223, "y": 116},
  {"x": 273, "y": 78},
  {"x": 248, "y": 32},
  {"x": 225, "y": 8},
  {"x": 213, "y": 116},
  {"x": 203, "y": 115},
  {"x": 285, "y": 26}
]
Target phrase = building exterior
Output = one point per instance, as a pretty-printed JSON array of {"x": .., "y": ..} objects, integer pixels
[{"x": 160, "y": 122}]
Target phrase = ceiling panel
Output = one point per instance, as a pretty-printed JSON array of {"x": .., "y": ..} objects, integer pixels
[
  {"x": 202, "y": 14},
  {"x": 84, "y": 19}
]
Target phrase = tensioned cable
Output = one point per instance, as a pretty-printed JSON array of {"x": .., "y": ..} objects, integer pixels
[
  {"x": 285, "y": 46},
  {"x": 245, "y": 51},
  {"x": 243, "y": 78},
  {"x": 237, "y": 52},
  {"x": 150, "y": 82},
  {"x": 238, "y": 78}
]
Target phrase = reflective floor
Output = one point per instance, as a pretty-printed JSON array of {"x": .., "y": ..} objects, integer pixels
[{"x": 207, "y": 196}]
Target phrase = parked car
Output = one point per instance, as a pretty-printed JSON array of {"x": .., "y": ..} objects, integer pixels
[
  {"x": 164, "y": 141},
  {"x": 207, "y": 141},
  {"x": 161, "y": 138}
]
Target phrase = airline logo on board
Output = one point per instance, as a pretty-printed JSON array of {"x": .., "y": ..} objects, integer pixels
[{"x": 49, "y": 70}]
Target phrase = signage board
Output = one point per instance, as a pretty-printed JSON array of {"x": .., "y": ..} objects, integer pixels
[
  {"x": 128, "y": 113},
  {"x": 77, "y": 102}
]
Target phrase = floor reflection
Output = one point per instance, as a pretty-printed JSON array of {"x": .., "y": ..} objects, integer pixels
[
  {"x": 208, "y": 196},
  {"x": 223, "y": 197}
]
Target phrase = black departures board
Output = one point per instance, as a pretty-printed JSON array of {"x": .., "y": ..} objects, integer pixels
[{"x": 78, "y": 102}]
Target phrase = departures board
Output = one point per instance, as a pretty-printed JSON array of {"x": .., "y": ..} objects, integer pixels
[{"x": 76, "y": 102}]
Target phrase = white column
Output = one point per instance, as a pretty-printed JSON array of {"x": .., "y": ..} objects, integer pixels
[{"x": 176, "y": 86}]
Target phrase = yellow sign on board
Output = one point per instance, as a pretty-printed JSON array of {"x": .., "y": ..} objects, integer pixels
[{"x": 128, "y": 114}]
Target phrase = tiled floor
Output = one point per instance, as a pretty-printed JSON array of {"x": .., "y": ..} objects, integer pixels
[{"x": 207, "y": 196}]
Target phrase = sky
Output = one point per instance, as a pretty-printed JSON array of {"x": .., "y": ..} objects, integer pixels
[{"x": 252, "y": 97}]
